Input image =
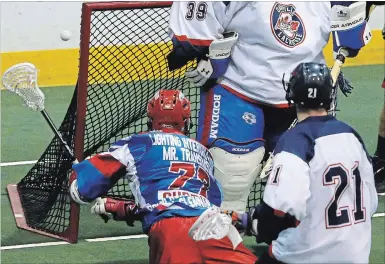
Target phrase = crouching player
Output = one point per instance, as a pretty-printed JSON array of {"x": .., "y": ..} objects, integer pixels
[
  {"x": 320, "y": 195},
  {"x": 171, "y": 178}
]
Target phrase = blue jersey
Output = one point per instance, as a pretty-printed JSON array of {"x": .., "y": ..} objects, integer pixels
[{"x": 169, "y": 174}]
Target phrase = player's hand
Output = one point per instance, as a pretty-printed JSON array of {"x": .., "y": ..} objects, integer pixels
[
  {"x": 118, "y": 210},
  {"x": 379, "y": 173},
  {"x": 344, "y": 85},
  {"x": 245, "y": 222}
]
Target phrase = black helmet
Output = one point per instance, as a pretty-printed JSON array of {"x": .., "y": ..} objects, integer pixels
[{"x": 310, "y": 86}]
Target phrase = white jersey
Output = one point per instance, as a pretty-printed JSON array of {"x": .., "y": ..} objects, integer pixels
[
  {"x": 322, "y": 176},
  {"x": 273, "y": 39}
]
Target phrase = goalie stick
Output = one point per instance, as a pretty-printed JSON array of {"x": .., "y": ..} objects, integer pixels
[{"x": 21, "y": 79}]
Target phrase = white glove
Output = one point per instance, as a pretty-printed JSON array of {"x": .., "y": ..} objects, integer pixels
[
  {"x": 217, "y": 60},
  {"x": 99, "y": 208}
]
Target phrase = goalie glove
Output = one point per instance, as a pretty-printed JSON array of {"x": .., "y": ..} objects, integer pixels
[
  {"x": 118, "y": 210},
  {"x": 216, "y": 62}
]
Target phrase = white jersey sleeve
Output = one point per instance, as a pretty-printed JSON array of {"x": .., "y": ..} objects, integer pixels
[{"x": 287, "y": 192}]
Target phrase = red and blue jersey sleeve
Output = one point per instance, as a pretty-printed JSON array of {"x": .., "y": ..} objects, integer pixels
[{"x": 95, "y": 176}]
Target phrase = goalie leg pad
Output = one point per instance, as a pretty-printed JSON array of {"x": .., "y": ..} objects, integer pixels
[{"x": 236, "y": 173}]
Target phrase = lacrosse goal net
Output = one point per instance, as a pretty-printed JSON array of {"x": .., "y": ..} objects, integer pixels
[{"x": 122, "y": 63}]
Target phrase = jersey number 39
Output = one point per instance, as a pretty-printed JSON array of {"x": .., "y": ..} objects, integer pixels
[
  {"x": 187, "y": 171},
  {"x": 336, "y": 216},
  {"x": 199, "y": 10}
]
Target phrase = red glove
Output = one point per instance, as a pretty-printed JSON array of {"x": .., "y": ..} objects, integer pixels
[{"x": 119, "y": 210}]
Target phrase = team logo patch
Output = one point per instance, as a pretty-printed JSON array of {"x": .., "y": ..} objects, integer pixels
[
  {"x": 249, "y": 118},
  {"x": 287, "y": 25}
]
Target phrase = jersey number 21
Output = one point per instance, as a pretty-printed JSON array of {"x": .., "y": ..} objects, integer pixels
[{"x": 336, "y": 216}]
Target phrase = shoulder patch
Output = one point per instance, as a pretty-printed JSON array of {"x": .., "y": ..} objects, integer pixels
[{"x": 286, "y": 25}]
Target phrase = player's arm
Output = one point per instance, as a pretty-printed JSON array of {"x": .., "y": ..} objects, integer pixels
[
  {"x": 197, "y": 30},
  {"x": 286, "y": 192},
  {"x": 285, "y": 196},
  {"x": 97, "y": 175}
]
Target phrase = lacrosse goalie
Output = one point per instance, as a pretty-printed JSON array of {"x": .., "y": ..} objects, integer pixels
[{"x": 171, "y": 178}]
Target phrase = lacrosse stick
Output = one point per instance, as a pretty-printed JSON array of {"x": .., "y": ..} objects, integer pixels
[
  {"x": 21, "y": 79},
  {"x": 268, "y": 164}
]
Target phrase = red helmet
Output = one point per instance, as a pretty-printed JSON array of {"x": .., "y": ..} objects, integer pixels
[{"x": 169, "y": 109}]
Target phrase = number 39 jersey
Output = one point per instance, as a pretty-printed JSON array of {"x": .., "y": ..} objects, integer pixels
[
  {"x": 169, "y": 175},
  {"x": 322, "y": 176}
]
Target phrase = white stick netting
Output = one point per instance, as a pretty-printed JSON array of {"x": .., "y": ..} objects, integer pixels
[{"x": 22, "y": 80}]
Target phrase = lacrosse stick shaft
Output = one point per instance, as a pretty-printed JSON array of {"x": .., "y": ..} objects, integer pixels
[
  {"x": 336, "y": 69},
  {"x": 57, "y": 134}
]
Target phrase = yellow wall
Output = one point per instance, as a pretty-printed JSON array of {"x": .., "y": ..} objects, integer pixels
[{"x": 60, "y": 67}]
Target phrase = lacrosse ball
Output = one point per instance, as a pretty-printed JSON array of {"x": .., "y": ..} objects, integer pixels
[{"x": 65, "y": 35}]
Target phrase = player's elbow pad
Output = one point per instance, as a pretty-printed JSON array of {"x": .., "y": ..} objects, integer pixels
[{"x": 75, "y": 195}]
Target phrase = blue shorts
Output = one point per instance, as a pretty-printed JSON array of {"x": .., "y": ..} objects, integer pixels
[{"x": 225, "y": 115}]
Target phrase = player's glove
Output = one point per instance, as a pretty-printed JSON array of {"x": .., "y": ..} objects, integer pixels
[
  {"x": 216, "y": 62},
  {"x": 344, "y": 85},
  {"x": 118, "y": 210},
  {"x": 379, "y": 173}
]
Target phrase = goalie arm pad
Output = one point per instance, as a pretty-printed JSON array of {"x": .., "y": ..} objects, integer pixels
[{"x": 349, "y": 26}]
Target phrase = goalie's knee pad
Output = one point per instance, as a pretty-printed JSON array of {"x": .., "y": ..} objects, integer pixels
[{"x": 235, "y": 172}]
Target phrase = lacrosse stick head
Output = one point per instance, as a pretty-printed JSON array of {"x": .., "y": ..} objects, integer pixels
[
  {"x": 21, "y": 79},
  {"x": 213, "y": 224}
]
